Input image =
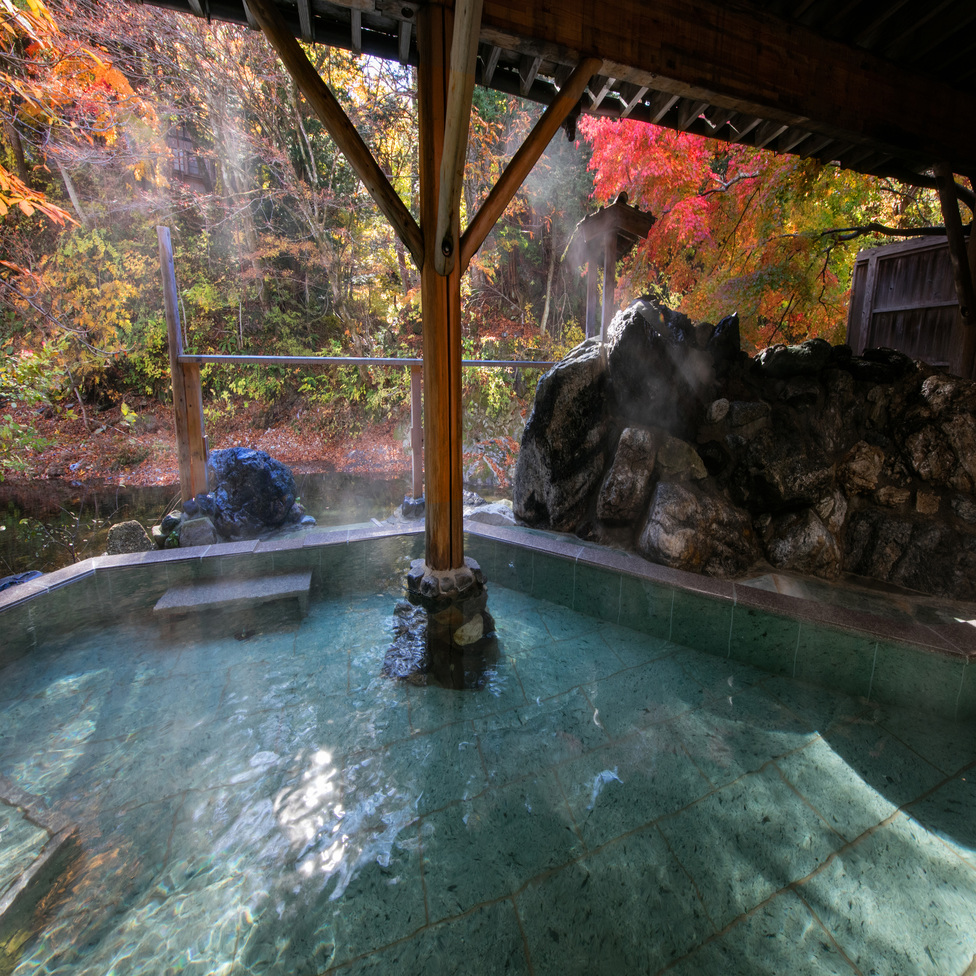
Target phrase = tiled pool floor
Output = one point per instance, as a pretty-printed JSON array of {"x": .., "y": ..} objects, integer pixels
[{"x": 613, "y": 803}]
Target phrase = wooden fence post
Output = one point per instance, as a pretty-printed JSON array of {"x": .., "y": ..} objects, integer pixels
[
  {"x": 191, "y": 445},
  {"x": 417, "y": 430}
]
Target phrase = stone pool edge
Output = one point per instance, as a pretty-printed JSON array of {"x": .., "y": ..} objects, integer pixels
[{"x": 923, "y": 667}]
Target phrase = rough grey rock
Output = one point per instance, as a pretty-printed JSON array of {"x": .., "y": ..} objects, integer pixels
[
  {"x": 832, "y": 509},
  {"x": 806, "y": 359},
  {"x": 724, "y": 344},
  {"x": 844, "y": 463},
  {"x": 197, "y": 532},
  {"x": 965, "y": 508},
  {"x": 778, "y": 473},
  {"x": 689, "y": 529},
  {"x": 677, "y": 460},
  {"x": 128, "y": 536},
  {"x": 564, "y": 445},
  {"x": 800, "y": 541},
  {"x": 930, "y": 456},
  {"x": 627, "y": 487},
  {"x": 496, "y": 513},
  {"x": 923, "y": 554},
  {"x": 862, "y": 467}
]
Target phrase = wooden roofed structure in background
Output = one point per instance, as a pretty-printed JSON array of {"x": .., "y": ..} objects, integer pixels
[{"x": 887, "y": 90}]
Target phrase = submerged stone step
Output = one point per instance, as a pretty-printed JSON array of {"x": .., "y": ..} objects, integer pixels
[
  {"x": 233, "y": 594},
  {"x": 36, "y": 851}
]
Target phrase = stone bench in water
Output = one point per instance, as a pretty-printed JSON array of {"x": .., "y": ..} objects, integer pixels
[{"x": 223, "y": 595}]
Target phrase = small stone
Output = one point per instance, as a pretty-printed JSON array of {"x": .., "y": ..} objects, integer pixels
[
  {"x": 927, "y": 503},
  {"x": 197, "y": 532},
  {"x": 717, "y": 410},
  {"x": 470, "y": 632},
  {"x": 127, "y": 537},
  {"x": 170, "y": 522}
]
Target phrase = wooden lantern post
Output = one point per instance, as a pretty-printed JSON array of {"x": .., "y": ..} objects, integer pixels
[{"x": 606, "y": 236}]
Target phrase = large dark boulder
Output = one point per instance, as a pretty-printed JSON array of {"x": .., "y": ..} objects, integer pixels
[
  {"x": 250, "y": 493},
  {"x": 657, "y": 376},
  {"x": 563, "y": 449},
  {"x": 670, "y": 440}
]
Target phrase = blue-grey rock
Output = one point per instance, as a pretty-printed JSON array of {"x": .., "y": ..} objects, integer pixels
[{"x": 251, "y": 492}]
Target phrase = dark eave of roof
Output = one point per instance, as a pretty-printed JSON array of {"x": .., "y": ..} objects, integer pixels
[{"x": 885, "y": 89}]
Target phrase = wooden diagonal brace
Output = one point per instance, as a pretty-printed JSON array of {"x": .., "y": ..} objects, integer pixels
[
  {"x": 527, "y": 156},
  {"x": 347, "y": 138}
]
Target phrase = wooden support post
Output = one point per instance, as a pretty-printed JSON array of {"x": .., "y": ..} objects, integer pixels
[
  {"x": 609, "y": 281},
  {"x": 441, "y": 302},
  {"x": 417, "y": 431},
  {"x": 191, "y": 447},
  {"x": 960, "y": 266}
]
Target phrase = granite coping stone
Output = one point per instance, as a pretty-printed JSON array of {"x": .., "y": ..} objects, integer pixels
[{"x": 953, "y": 640}]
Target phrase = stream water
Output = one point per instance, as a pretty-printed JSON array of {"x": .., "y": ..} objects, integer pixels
[{"x": 49, "y": 524}]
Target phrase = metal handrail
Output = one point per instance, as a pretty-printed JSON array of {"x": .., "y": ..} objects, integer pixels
[{"x": 201, "y": 358}]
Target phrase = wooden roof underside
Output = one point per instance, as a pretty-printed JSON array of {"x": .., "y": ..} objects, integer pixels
[{"x": 889, "y": 90}]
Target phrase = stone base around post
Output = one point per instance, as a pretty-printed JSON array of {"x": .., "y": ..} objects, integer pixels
[{"x": 444, "y": 634}]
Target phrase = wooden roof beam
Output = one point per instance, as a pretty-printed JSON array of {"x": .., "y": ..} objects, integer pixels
[
  {"x": 305, "y": 19},
  {"x": 403, "y": 40},
  {"x": 346, "y": 137},
  {"x": 528, "y": 69},
  {"x": 356, "y": 30},
  {"x": 633, "y": 96},
  {"x": 661, "y": 104},
  {"x": 742, "y": 125},
  {"x": 888, "y": 10},
  {"x": 767, "y": 132},
  {"x": 763, "y": 65},
  {"x": 601, "y": 89},
  {"x": 790, "y": 139},
  {"x": 525, "y": 158},
  {"x": 689, "y": 112},
  {"x": 489, "y": 63},
  {"x": 460, "y": 86}
]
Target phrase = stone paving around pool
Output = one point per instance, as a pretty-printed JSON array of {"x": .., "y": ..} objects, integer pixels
[{"x": 613, "y": 802}]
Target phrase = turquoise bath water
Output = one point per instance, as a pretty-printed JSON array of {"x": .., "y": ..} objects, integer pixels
[{"x": 611, "y": 803}]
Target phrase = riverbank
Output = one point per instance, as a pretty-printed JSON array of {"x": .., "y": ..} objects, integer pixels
[{"x": 138, "y": 448}]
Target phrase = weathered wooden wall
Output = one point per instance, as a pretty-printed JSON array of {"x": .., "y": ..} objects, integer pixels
[{"x": 903, "y": 297}]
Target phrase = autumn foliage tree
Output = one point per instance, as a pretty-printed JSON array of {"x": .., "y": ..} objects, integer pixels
[{"x": 742, "y": 229}]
